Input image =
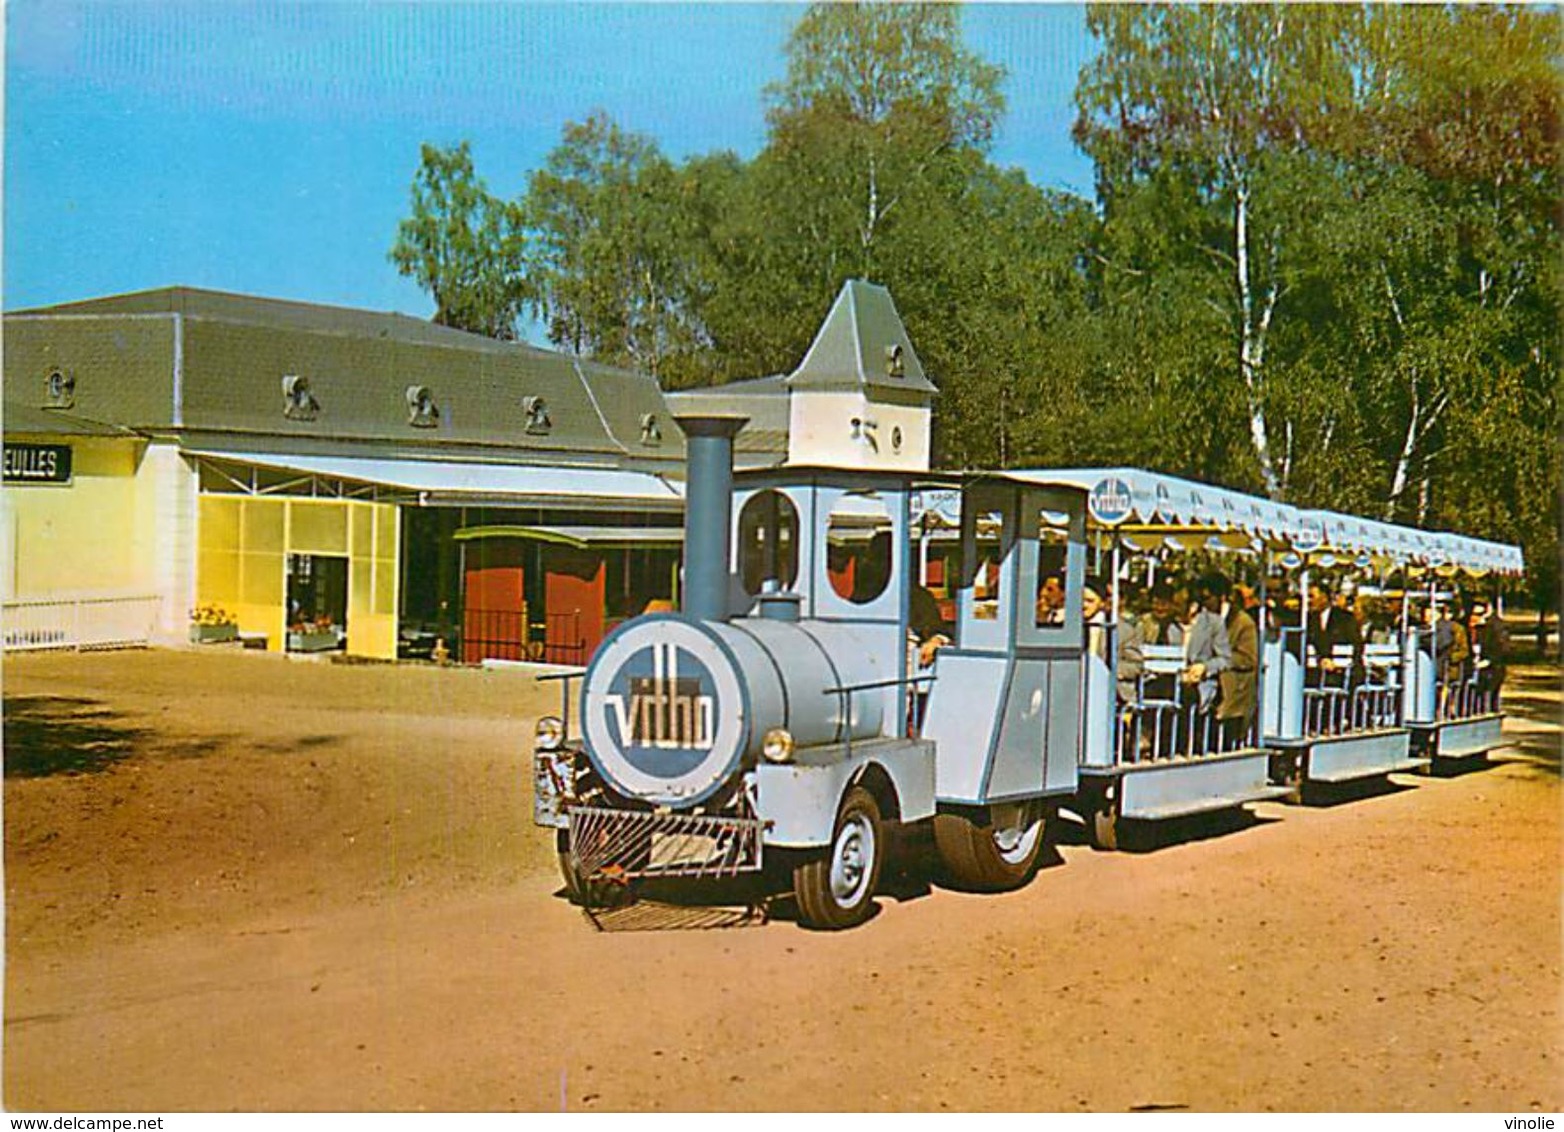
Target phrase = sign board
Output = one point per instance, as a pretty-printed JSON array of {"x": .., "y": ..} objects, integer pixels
[
  {"x": 38, "y": 463},
  {"x": 1110, "y": 502}
]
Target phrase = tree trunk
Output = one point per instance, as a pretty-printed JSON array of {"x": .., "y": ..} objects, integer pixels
[
  {"x": 1251, "y": 345},
  {"x": 1398, "y": 484}
]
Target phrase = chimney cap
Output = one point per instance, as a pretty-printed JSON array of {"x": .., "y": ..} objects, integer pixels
[{"x": 712, "y": 424}]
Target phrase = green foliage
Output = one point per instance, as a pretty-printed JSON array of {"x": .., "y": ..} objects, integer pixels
[
  {"x": 462, "y": 245},
  {"x": 614, "y": 266}
]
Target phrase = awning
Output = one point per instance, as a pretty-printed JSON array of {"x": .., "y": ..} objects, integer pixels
[
  {"x": 1156, "y": 500},
  {"x": 581, "y": 538},
  {"x": 1149, "y": 506},
  {"x": 1439, "y": 549},
  {"x": 451, "y": 483}
]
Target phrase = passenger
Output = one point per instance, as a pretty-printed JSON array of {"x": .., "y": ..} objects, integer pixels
[
  {"x": 1240, "y": 683},
  {"x": 928, "y": 632},
  {"x": 1160, "y": 626},
  {"x": 1329, "y": 626},
  {"x": 1346, "y": 598},
  {"x": 1492, "y": 642},
  {"x": 1207, "y": 651},
  {"x": 1094, "y": 615},
  {"x": 1374, "y": 619},
  {"x": 1451, "y": 645},
  {"x": 1050, "y": 601},
  {"x": 929, "y": 629}
]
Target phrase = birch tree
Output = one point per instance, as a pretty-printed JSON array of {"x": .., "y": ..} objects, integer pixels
[
  {"x": 462, "y": 245},
  {"x": 1219, "y": 94},
  {"x": 882, "y": 91},
  {"x": 614, "y": 261}
]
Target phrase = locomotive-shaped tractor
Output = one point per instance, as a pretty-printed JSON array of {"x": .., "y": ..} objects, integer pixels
[{"x": 711, "y": 744}]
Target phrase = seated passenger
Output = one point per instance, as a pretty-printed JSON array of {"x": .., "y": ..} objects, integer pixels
[
  {"x": 1207, "y": 651},
  {"x": 1050, "y": 601},
  {"x": 1329, "y": 626},
  {"x": 1452, "y": 649},
  {"x": 1131, "y": 659},
  {"x": 1161, "y": 626}
]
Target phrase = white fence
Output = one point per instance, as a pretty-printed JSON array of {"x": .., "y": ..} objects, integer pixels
[{"x": 100, "y": 621}]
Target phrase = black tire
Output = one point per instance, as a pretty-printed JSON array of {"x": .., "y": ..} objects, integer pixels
[
  {"x": 835, "y": 889},
  {"x": 1105, "y": 827},
  {"x": 994, "y": 854},
  {"x": 575, "y": 888},
  {"x": 1103, "y": 824},
  {"x": 586, "y": 893}
]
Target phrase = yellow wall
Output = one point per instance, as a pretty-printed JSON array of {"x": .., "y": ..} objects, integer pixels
[
  {"x": 242, "y": 562},
  {"x": 82, "y": 535}
]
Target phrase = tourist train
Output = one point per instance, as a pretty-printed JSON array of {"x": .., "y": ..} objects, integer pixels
[{"x": 856, "y": 648}]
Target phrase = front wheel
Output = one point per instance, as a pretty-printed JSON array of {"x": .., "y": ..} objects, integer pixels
[
  {"x": 583, "y": 891},
  {"x": 836, "y": 890},
  {"x": 995, "y": 854}
]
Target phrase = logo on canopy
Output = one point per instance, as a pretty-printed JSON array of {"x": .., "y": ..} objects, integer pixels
[
  {"x": 1110, "y": 502},
  {"x": 1309, "y": 537}
]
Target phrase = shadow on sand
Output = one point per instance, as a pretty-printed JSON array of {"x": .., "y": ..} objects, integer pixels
[
  {"x": 1534, "y": 699},
  {"x": 50, "y": 735}
]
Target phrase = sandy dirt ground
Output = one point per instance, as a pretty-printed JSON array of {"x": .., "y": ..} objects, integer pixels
[{"x": 235, "y": 881}]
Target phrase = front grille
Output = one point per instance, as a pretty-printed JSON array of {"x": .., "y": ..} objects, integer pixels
[{"x": 628, "y": 844}]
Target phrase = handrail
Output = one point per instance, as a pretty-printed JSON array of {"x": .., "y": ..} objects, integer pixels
[{"x": 877, "y": 684}]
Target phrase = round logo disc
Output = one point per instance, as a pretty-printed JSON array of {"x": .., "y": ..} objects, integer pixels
[
  {"x": 663, "y": 712},
  {"x": 1110, "y": 501}
]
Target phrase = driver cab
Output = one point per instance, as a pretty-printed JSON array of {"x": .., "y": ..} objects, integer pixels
[{"x": 1005, "y": 705}]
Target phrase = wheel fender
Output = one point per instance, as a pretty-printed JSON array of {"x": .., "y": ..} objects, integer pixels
[
  {"x": 801, "y": 800},
  {"x": 877, "y": 780}
]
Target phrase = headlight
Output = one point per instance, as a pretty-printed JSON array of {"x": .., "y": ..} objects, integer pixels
[
  {"x": 550, "y": 734},
  {"x": 777, "y": 746}
]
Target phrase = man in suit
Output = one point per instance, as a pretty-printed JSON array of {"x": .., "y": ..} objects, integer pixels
[
  {"x": 1329, "y": 626},
  {"x": 1207, "y": 654},
  {"x": 1240, "y": 683}
]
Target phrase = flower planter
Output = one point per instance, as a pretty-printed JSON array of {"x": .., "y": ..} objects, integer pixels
[
  {"x": 213, "y": 634},
  {"x": 311, "y": 640}
]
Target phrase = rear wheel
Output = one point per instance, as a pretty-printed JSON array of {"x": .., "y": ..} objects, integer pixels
[
  {"x": 1102, "y": 817},
  {"x": 994, "y": 854},
  {"x": 836, "y": 889}
]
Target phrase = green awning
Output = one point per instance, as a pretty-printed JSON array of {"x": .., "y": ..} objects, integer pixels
[{"x": 581, "y": 538}]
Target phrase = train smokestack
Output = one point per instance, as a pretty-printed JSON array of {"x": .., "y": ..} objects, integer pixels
[{"x": 708, "y": 512}]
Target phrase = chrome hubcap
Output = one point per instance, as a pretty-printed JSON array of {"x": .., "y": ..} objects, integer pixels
[
  {"x": 1016, "y": 827},
  {"x": 852, "y": 860}
]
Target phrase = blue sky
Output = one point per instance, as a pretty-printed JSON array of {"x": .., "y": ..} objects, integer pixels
[{"x": 268, "y": 149}]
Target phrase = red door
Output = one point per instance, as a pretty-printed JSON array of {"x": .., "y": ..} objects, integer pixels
[
  {"x": 494, "y": 610},
  {"x": 573, "y": 598}
]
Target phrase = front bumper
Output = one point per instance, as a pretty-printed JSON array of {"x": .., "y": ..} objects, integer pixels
[{"x": 631, "y": 844}]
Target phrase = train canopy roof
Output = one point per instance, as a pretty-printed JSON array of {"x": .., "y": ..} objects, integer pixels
[{"x": 1138, "y": 502}]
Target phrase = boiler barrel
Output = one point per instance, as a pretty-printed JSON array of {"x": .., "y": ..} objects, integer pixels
[{"x": 672, "y": 708}]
